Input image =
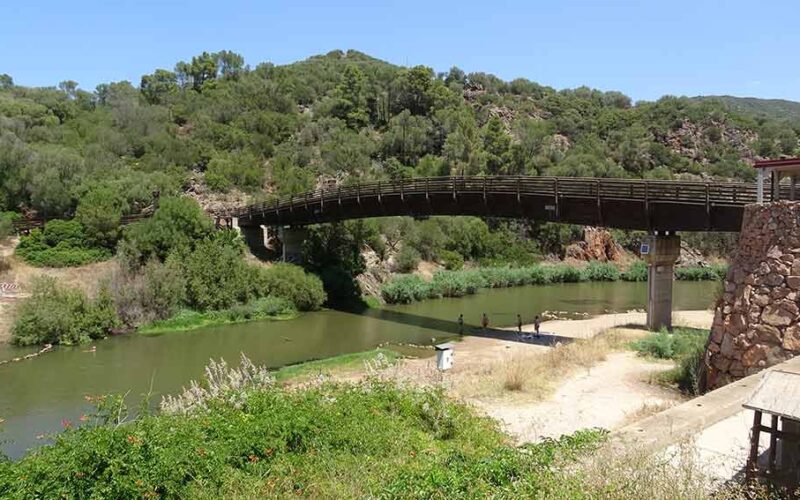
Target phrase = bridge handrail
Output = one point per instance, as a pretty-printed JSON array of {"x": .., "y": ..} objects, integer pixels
[{"x": 655, "y": 191}]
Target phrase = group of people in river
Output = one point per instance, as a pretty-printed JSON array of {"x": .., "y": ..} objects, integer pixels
[{"x": 485, "y": 325}]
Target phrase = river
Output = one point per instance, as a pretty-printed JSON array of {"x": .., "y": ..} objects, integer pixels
[{"x": 36, "y": 395}]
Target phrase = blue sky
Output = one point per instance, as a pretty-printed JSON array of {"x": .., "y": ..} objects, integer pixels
[{"x": 645, "y": 49}]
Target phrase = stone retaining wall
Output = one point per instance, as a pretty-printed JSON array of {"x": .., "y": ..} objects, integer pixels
[{"x": 757, "y": 321}]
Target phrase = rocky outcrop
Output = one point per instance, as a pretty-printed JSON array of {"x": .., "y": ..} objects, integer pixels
[
  {"x": 597, "y": 244},
  {"x": 757, "y": 320}
]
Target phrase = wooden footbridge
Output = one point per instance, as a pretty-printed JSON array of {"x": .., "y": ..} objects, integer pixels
[{"x": 615, "y": 203}]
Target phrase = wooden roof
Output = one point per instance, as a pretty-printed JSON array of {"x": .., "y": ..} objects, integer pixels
[
  {"x": 782, "y": 162},
  {"x": 778, "y": 393}
]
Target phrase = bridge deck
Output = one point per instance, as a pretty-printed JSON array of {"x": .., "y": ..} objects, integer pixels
[{"x": 616, "y": 203}]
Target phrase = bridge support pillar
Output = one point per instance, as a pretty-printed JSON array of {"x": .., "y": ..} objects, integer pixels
[
  {"x": 660, "y": 251},
  {"x": 255, "y": 237},
  {"x": 292, "y": 241}
]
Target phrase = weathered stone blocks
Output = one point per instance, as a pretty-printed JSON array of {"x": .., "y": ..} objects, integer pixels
[{"x": 757, "y": 320}]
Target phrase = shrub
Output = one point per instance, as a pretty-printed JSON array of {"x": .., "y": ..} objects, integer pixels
[
  {"x": 289, "y": 282},
  {"x": 407, "y": 259},
  {"x": 217, "y": 276},
  {"x": 684, "y": 345},
  {"x": 6, "y": 224},
  {"x": 153, "y": 293},
  {"x": 60, "y": 243},
  {"x": 57, "y": 315},
  {"x": 601, "y": 271},
  {"x": 635, "y": 272},
  {"x": 697, "y": 273},
  {"x": 241, "y": 435},
  {"x": 177, "y": 224},
  {"x": 564, "y": 273},
  {"x": 405, "y": 289},
  {"x": 452, "y": 261}
]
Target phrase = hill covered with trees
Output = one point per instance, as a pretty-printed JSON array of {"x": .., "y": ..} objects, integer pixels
[
  {"x": 273, "y": 130},
  {"x": 776, "y": 109}
]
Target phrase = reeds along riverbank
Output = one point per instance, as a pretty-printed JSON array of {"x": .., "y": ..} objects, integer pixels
[{"x": 409, "y": 288}]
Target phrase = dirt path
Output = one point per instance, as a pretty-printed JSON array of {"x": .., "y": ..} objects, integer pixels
[{"x": 607, "y": 396}]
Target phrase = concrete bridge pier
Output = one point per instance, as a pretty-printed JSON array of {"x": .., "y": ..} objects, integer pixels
[
  {"x": 292, "y": 242},
  {"x": 660, "y": 251}
]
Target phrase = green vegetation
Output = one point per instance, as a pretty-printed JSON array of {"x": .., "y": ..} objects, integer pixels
[
  {"x": 716, "y": 272},
  {"x": 240, "y": 435},
  {"x": 59, "y": 243},
  {"x": 272, "y": 308},
  {"x": 686, "y": 346},
  {"x": 57, "y": 315},
  {"x": 337, "y": 364},
  {"x": 176, "y": 273},
  {"x": 100, "y": 154},
  {"x": 409, "y": 288}
]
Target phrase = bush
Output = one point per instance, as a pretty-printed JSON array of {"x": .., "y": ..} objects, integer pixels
[
  {"x": 177, "y": 224},
  {"x": 289, "y": 282},
  {"x": 308, "y": 442},
  {"x": 57, "y": 315},
  {"x": 697, "y": 273},
  {"x": 217, "y": 276},
  {"x": 60, "y": 243},
  {"x": 408, "y": 259},
  {"x": 601, "y": 271},
  {"x": 686, "y": 346},
  {"x": 452, "y": 261},
  {"x": 564, "y": 273},
  {"x": 7, "y": 224},
  {"x": 405, "y": 289},
  {"x": 153, "y": 293},
  {"x": 635, "y": 272}
]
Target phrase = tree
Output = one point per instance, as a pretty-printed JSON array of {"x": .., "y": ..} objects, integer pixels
[
  {"x": 69, "y": 87},
  {"x": 350, "y": 98},
  {"x": 408, "y": 137},
  {"x": 412, "y": 89},
  {"x": 100, "y": 212},
  {"x": 6, "y": 82},
  {"x": 156, "y": 88},
  {"x": 496, "y": 143}
]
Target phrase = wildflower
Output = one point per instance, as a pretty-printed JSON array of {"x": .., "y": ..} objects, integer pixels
[
  {"x": 65, "y": 423},
  {"x": 84, "y": 418},
  {"x": 253, "y": 459},
  {"x": 134, "y": 439},
  {"x": 79, "y": 474}
]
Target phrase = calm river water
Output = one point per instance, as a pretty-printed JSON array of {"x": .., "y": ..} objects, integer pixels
[{"x": 36, "y": 395}]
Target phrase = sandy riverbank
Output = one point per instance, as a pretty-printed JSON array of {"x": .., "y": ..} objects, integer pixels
[{"x": 589, "y": 382}]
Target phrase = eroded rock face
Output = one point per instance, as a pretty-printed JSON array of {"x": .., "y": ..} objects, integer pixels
[
  {"x": 757, "y": 321},
  {"x": 597, "y": 244}
]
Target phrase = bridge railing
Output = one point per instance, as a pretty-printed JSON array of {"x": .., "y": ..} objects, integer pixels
[{"x": 646, "y": 191}]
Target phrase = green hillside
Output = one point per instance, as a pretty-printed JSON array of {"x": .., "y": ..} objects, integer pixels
[{"x": 776, "y": 109}]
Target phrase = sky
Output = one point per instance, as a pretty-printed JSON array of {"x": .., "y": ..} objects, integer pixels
[{"x": 645, "y": 49}]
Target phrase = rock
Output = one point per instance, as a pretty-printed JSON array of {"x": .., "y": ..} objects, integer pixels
[
  {"x": 597, "y": 244},
  {"x": 761, "y": 300},
  {"x": 791, "y": 338},
  {"x": 727, "y": 347},
  {"x": 793, "y": 282},
  {"x": 771, "y": 279},
  {"x": 776, "y": 316},
  {"x": 767, "y": 334}
]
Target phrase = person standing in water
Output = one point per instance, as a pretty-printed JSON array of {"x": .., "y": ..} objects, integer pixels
[
  {"x": 461, "y": 324},
  {"x": 485, "y": 322},
  {"x": 536, "y": 325},
  {"x": 519, "y": 325}
]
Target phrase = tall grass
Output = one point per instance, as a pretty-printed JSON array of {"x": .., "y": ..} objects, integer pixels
[
  {"x": 686, "y": 346},
  {"x": 409, "y": 288}
]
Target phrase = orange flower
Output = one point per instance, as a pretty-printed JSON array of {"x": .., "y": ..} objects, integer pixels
[
  {"x": 253, "y": 459},
  {"x": 134, "y": 439}
]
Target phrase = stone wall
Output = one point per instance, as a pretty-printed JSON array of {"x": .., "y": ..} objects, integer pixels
[{"x": 757, "y": 321}]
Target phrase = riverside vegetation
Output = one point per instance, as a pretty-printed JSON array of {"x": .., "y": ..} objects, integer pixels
[
  {"x": 175, "y": 272},
  {"x": 409, "y": 288},
  {"x": 216, "y": 126},
  {"x": 239, "y": 434}
]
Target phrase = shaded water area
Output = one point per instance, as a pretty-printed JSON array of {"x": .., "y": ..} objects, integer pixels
[{"x": 36, "y": 395}]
